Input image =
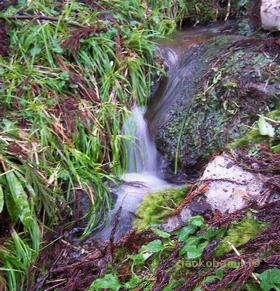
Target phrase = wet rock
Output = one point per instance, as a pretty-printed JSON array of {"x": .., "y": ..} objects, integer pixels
[
  {"x": 166, "y": 172},
  {"x": 213, "y": 93},
  {"x": 175, "y": 222},
  {"x": 230, "y": 188},
  {"x": 200, "y": 208}
]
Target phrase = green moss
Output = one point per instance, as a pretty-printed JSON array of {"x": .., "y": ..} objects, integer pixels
[
  {"x": 178, "y": 273},
  {"x": 221, "y": 108},
  {"x": 158, "y": 204},
  {"x": 240, "y": 233}
]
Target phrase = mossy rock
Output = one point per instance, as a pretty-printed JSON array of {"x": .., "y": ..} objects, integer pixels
[
  {"x": 159, "y": 204},
  {"x": 219, "y": 101},
  {"x": 240, "y": 233}
]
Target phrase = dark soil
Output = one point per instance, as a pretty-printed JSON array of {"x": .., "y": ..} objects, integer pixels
[{"x": 4, "y": 39}]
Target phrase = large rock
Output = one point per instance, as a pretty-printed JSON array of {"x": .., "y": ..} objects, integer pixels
[
  {"x": 227, "y": 188},
  {"x": 216, "y": 86}
]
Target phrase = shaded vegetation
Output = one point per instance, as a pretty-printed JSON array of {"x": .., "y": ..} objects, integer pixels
[
  {"x": 69, "y": 73},
  {"x": 191, "y": 258}
]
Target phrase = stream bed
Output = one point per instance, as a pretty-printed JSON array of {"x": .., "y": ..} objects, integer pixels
[
  {"x": 147, "y": 169},
  {"x": 142, "y": 176}
]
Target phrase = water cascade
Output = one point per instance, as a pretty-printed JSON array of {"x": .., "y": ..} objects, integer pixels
[
  {"x": 140, "y": 149},
  {"x": 141, "y": 177},
  {"x": 143, "y": 161}
]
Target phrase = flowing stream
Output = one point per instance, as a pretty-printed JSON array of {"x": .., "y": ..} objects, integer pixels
[
  {"x": 141, "y": 150},
  {"x": 140, "y": 179},
  {"x": 144, "y": 162}
]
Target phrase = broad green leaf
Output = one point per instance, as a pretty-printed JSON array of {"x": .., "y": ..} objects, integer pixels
[
  {"x": 109, "y": 281},
  {"x": 147, "y": 256},
  {"x": 11, "y": 207},
  {"x": 196, "y": 221},
  {"x": 36, "y": 50},
  {"x": 211, "y": 233},
  {"x": 20, "y": 199},
  {"x": 161, "y": 233},
  {"x": 276, "y": 148},
  {"x": 210, "y": 279},
  {"x": 265, "y": 128},
  {"x": 137, "y": 259},
  {"x": 186, "y": 231},
  {"x": 155, "y": 246},
  {"x": 10, "y": 127},
  {"x": 1, "y": 199},
  {"x": 217, "y": 276},
  {"x": 193, "y": 251},
  {"x": 57, "y": 49},
  {"x": 133, "y": 282},
  {"x": 194, "y": 240},
  {"x": 270, "y": 280}
]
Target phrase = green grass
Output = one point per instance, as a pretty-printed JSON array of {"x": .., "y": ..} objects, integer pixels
[{"x": 65, "y": 89}]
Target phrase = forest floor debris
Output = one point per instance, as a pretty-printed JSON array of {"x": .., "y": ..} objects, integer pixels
[{"x": 218, "y": 257}]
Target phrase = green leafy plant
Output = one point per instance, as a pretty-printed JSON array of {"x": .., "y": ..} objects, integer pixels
[
  {"x": 195, "y": 244},
  {"x": 192, "y": 240},
  {"x": 270, "y": 280},
  {"x": 66, "y": 89}
]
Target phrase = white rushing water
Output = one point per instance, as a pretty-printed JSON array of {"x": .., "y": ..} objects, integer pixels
[
  {"x": 140, "y": 149},
  {"x": 141, "y": 178}
]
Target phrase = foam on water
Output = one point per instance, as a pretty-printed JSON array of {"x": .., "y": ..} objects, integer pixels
[{"x": 141, "y": 178}]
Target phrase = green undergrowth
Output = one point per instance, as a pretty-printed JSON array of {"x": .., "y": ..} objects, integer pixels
[
  {"x": 72, "y": 75},
  {"x": 249, "y": 228},
  {"x": 159, "y": 204},
  {"x": 192, "y": 242},
  {"x": 265, "y": 131}
]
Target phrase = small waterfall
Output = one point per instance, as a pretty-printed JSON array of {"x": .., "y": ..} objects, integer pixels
[
  {"x": 140, "y": 149},
  {"x": 140, "y": 179}
]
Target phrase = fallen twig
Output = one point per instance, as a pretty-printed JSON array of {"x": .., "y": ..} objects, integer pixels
[{"x": 242, "y": 261}]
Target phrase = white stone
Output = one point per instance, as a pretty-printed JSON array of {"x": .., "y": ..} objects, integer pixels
[
  {"x": 270, "y": 14},
  {"x": 231, "y": 187}
]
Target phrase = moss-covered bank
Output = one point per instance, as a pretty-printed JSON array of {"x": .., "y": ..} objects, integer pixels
[{"x": 232, "y": 83}]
